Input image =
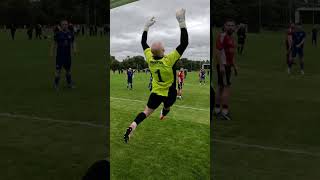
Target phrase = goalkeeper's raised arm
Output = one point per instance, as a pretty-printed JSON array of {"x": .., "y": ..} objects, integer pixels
[
  {"x": 184, "y": 40},
  {"x": 148, "y": 24}
]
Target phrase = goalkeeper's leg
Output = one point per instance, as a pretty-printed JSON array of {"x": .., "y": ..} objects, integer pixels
[
  {"x": 153, "y": 103},
  {"x": 168, "y": 102}
]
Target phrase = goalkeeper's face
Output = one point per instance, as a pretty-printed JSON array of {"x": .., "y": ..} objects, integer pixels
[{"x": 157, "y": 49}]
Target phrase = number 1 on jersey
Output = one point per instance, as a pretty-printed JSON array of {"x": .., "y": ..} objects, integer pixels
[{"x": 159, "y": 76}]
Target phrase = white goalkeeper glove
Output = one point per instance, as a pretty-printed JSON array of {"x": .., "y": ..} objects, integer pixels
[
  {"x": 149, "y": 23},
  {"x": 181, "y": 17}
]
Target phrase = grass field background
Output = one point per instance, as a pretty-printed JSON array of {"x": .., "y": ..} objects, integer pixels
[
  {"x": 177, "y": 148},
  {"x": 41, "y": 131},
  {"x": 274, "y": 133}
]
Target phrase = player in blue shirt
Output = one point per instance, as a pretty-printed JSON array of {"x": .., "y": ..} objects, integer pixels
[
  {"x": 202, "y": 77},
  {"x": 298, "y": 39},
  {"x": 129, "y": 78},
  {"x": 63, "y": 46}
]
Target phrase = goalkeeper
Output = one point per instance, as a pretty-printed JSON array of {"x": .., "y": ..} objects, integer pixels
[{"x": 164, "y": 76}]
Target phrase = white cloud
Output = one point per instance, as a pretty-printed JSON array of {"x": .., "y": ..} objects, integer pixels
[{"x": 127, "y": 24}]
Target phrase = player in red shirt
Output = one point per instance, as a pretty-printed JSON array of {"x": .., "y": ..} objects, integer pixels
[
  {"x": 180, "y": 82},
  {"x": 289, "y": 46},
  {"x": 225, "y": 55}
]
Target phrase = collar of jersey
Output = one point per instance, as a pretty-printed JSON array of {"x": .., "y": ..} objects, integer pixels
[{"x": 157, "y": 58}]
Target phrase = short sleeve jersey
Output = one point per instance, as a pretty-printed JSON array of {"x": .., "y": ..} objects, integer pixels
[
  {"x": 297, "y": 37},
  {"x": 181, "y": 77},
  {"x": 64, "y": 42},
  {"x": 203, "y": 73},
  {"x": 130, "y": 74},
  {"x": 226, "y": 44}
]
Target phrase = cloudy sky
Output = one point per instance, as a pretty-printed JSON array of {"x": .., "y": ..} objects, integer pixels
[{"x": 127, "y": 23}]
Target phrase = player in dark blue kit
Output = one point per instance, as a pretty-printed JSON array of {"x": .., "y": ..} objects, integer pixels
[
  {"x": 202, "y": 77},
  {"x": 129, "y": 78},
  {"x": 298, "y": 39},
  {"x": 63, "y": 46},
  {"x": 314, "y": 35}
]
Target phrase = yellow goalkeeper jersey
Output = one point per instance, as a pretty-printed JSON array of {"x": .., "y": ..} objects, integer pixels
[{"x": 162, "y": 71}]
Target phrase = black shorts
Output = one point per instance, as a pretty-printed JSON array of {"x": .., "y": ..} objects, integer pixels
[
  {"x": 297, "y": 51},
  {"x": 155, "y": 100},
  {"x": 180, "y": 85},
  {"x": 224, "y": 79},
  {"x": 130, "y": 80},
  {"x": 63, "y": 62}
]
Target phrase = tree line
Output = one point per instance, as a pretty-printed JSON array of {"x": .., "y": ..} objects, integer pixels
[
  {"x": 274, "y": 13},
  {"x": 139, "y": 63},
  {"x": 25, "y": 12}
]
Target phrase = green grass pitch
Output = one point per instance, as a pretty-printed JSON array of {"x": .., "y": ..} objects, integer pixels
[
  {"x": 177, "y": 148},
  {"x": 274, "y": 133},
  {"x": 46, "y": 134}
]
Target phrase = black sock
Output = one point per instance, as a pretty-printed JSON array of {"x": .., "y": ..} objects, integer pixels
[
  {"x": 141, "y": 116},
  {"x": 241, "y": 50},
  {"x": 290, "y": 64},
  {"x": 68, "y": 78},
  {"x": 301, "y": 65},
  {"x": 165, "y": 112}
]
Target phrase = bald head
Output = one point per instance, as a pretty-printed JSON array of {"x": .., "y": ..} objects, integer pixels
[{"x": 157, "y": 49}]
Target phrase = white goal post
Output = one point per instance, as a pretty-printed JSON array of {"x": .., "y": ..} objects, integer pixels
[{"x": 206, "y": 66}]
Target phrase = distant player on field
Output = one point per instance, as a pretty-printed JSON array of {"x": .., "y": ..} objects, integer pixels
[
  {"x": 162, "y": 69},
  {"x": 314, "y": 35},
  {"x": 202, "y": 77},
  {"x": 180, "y": 82},
  {"x": 298, "y": 39},
  {"x": 241, "y": 33},
  {"x": 30, "y": 32},
  {"x": 13, "y": 30},
  {"x": 289, "y": 46},
  {"x": 129, "y": 78},
  {"x": 38, "y": 31},
  {"x": 63, "y": 46},
  {"x": 225, "y": 61}
]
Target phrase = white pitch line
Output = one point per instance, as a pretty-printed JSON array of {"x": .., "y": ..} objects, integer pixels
[
  {"x": 35, "y": 118},
  {"x": 185, "y": 107},
  {"x": 291, "y": 151}
]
